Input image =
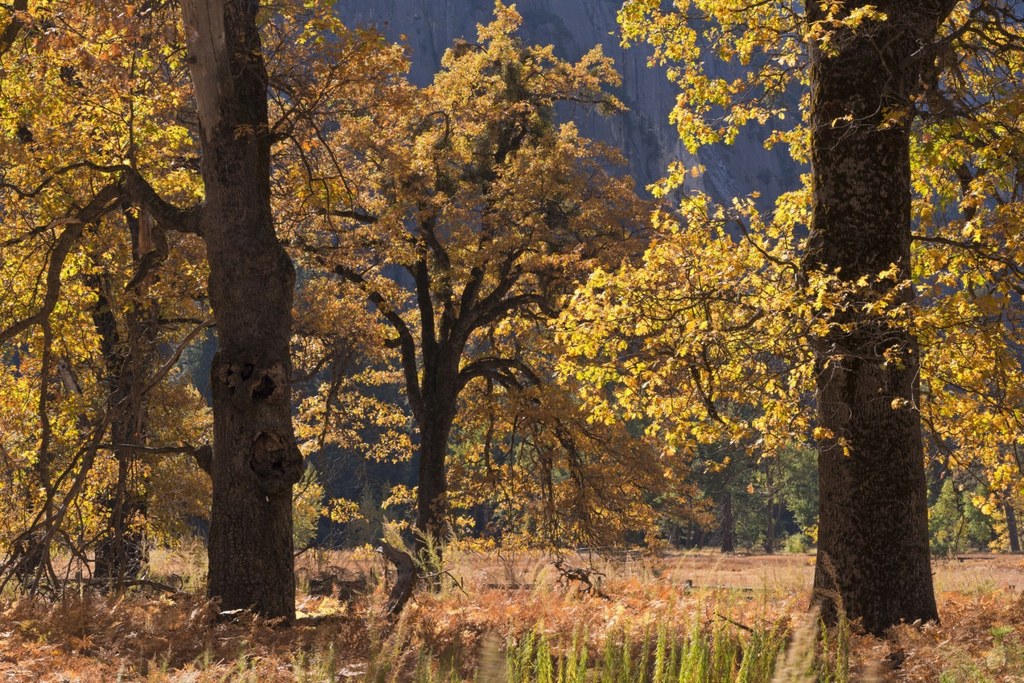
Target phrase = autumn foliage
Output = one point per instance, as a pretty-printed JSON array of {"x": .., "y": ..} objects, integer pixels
[{"x": 512, "y": 344}]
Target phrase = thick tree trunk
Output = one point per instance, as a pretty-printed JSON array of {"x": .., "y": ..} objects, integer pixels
[
  {"x": 1011, "y": 527},
  {"x": 873, "y": 558},
  {"x": 255, "y": 460},
  {"x": 432, "y": 492}
]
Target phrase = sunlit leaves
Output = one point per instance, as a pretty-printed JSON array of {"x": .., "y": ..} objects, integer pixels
[
  {"x": 451, "y": 222},
  {"x": 651, "y": 340}
]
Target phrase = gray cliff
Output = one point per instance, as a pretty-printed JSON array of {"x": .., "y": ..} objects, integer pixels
[{"x": 574, "y": 27}]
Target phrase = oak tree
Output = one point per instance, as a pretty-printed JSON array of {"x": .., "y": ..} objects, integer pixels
[
  {"x": 875, "y": 81},
  {"x": 464, "y": 218}
]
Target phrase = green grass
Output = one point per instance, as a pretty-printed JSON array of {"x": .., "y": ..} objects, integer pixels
[{"x": 711, "y": 654}]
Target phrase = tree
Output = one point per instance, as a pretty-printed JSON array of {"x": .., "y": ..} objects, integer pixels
[
  {"x": 255, "y": 459},
  {"x": 120, "y": 92},
  {"x": 465, "y": 219},
  {"x": 873, "y": 520},
  {"x": 966, "y": 160},
  {"x": 700, "y": 342},
  {"x": 83, "y": 321},
  {"x": 58, "y": 120},
  {"x": 955, "y": 525},
  {"x": 852, "y": 301}
]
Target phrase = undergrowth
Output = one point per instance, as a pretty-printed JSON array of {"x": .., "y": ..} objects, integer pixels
[
  {"x": 708, "y": 653},
  {"x": 665, "y": 621}
]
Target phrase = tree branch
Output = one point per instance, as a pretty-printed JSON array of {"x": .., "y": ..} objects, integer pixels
[
  {"x": 982, "y": 250},
  {"x": 11, "y": 31},
  {"x": 406, "y": 342},
  {"x": 201, "y": 454},
  {"x": 500, "y": 370},
  {"x": 421, "y": 273},
  {"x": 167, "y": 215},
  {"x": 173, "y": 360},
  {"x": 103, "y": 202},
  {"x": 498, "y": 309},
  {"x": 353, "y": 214}
]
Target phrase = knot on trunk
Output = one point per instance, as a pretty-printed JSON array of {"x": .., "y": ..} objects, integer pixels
[
  {"x": 249, "y": 381},
  {"x": 265, "y": 384},
  {"x": 276, "y": 463}
]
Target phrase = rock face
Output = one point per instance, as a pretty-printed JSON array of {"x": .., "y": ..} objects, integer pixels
[{"x": 649, "y": 141}]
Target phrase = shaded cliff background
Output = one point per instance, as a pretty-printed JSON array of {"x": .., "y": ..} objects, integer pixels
[{"x": 643, "y": 133}]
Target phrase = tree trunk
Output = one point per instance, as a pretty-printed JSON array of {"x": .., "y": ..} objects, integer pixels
[
  {"x": 728, "y": 525},
  {"x": 873, "y": 559},
  {"x": 769, "y": 537},
  {"x": 121, "y": 551},
  {"x": 255, "y": 460},
  {"x": 115, "y": 560},
  {"x": 1011, "y": 527},
  {"x": 432, "y": 493}
]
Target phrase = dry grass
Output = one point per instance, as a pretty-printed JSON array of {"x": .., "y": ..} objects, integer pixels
[
  {"x": 94, "y": 638},
  {"x": 140, "y": 636}
]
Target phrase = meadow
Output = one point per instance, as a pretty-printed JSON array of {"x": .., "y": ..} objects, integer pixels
[{"x": 513, "y": 617}]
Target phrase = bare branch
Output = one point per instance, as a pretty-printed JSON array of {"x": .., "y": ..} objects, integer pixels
[
  {"x": 201, "y": 454},
  {"x": 173, "y": 360},
  {"x": 501, "y": 370},
  {"x": 353, "y": 214}
]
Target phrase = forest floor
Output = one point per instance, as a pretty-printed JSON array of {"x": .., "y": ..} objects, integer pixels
[{"x": 496, "y": 599}]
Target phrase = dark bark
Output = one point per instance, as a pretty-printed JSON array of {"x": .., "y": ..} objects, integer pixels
[
  {"x": 440, "y": 391},
  {"x": 14, "y": 26},
  {"x": 255, "y": 460},
  {"x": 433, "y": 382},
  {"x": 873, "y": 558},
  {"x": 772, "y": 508},
  {"x": 728, "y": 525},
  {"x": 432, "y": 492},
  {"x": 1011, "y": 527},
  {"x": 405, "y": 582},
  {"x": 121, "y": 551},
  {"x": 128, "y": 352}
]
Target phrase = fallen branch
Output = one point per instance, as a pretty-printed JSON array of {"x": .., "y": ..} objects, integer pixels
[
  {"x": 131, "y": 583},
  {"x": 589, "y": 579},
  {"x": 734, "y": 623}
]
